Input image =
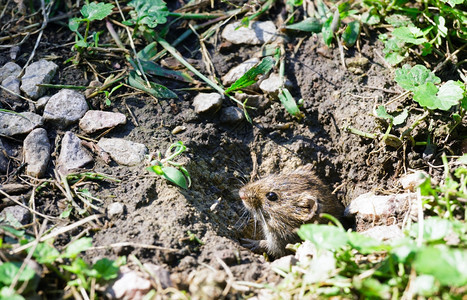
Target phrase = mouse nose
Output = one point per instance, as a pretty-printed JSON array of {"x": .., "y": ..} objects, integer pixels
[{"x": 242, "y": 194}]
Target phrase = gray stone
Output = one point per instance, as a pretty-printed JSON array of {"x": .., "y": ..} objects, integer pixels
[
  {"x": 272, "y": 84},
  {"x": 40, "y": 72},
  {"x": 73, "y": 155},
  {"x": 95, "y": 120},
  {"x": 160, "y": 274},
  {"x": 12, "y": 124},
  {"x": 124, "y": 152},
  {"x": 238, "y": 71},
  {"x": 256, "y": 33},
  {"x": 41, "y": 102},
  {"x": 284, "y": 263},
  {"x": 128, "y": 285},
  {"x": 12, "y": 83},
  {"x": 9, "y": 69},
  {"x": 115, "y": 209},
  {"x": 207, "y": 102},
  {"x": 231, "y": 115},
  {"x": 65, "y": 107},
  {"x": 18, "y": 213},
  {"x": 36, "y": 149},
  {"x": 384, "y": 233}
]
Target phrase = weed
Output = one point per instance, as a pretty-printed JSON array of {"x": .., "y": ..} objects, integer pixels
[{"x": 170, "y": 170}]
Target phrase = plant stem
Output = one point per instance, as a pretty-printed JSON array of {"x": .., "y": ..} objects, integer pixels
[
  {"x": 412, "y": 127},
  {"x": 360, "y": 133},
  {"x": 196, "y": 16}
]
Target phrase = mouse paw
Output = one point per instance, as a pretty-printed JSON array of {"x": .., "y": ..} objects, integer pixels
[{"x": 258, "y": 246}]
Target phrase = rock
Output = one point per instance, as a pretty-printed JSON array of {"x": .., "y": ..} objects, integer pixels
[
  {"x": 124, "y": 152},
  {"x": 256, "y": 33},
  {"x": 73, "y": 155},
  {"x": 36, "y": 149},
  {"x": 9, "y": 69},
  {"x": 12, "y": 83},
  {"x": 272, "y": 84},
  {"x": 65, "y": 107},
  {"x": 384, "y": 233},
  {"x": 160, "y": 274},
  {"x": 258, "y": 101},
  {"x": 15, "y": 188},
  {"x": 40, "y": 72},
  {"x": 207, "y": 284},
  {"x": 411, "y": 181},
  {"x": 284, "y": 263},
  {"x": 129, "y": 285},
  {"x": 238, "y": 71},
  {"x": 115, "y": 209},
  {"x": 207, "y": 103},
  {"x": 231, "y": 115},
  {"x": 306, "y": 251},
  {"x": 18, "y": 213},
  {"x": 12, "y": 124},
  {"x": 178, "y": 129},
  {"x": 95, "y": 120},
  {"x": 41, "y": 102},
  {"x": 372, "y": 207}
]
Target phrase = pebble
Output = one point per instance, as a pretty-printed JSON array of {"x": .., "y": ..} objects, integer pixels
[
  {"x": 129, "y": 285},
  {"x": 12, "y": 83},
  {"x": 39, "y": 72},
  {"x": 231, "y": 115},
  {"x": 411, "y": 181},
  {"x": 95, "y": 120},
  {"x": 178, "y": 129},
  {"x": 36, "y": 149},
  {"x": 122, "y": 151},
  {"x": 207, "y": 103},
  {"x": 12, "y": 124},
  {"x": 9, "y": 69},
  {"x": 65, "y": 107},
  {"x": 115, "y": 209},
  {"x": 41, "y": 102},
  {"x": 256, "y": 33},
  {"x": 19, "y": 213},
  {"x": 238, "y": 71},
  {"x": 73, "y": 155},
  {"x": 384, "y": 233},
  {"x": 272, "y": 84},
  {"x": 284, "y": 263},
  {"x": 160, "y": 274}
]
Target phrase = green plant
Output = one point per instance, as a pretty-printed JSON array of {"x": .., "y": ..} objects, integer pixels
[
  {"x": 170, "y": 170},
  {"x": 90, "y": 12}
]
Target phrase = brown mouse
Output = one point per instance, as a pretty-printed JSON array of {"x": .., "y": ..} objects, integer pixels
[{"x": 281, "y": 203}]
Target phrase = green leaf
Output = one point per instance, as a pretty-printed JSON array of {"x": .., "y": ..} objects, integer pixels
[
  {"x": 400, "y": 118},
  {"x": 371, "y": 288},
  {"x": 382, "y": 113},
  {"x": 78, "y": 266},
  {"x": 351, "y": 33},
  {"x": 453, "y": 2},
  {"x": 150, "y": 12},
  {"x": 157, "y": 90},
  {"x": 45, "y": 253},
  {"x": 410, "y": 34},
  {"x": 251, "y": 76},
  {"x": 152, "y": 68},
  {"x": 410, "y": 78},
  {"x": 96, "y": 11},
  {"x": 371, "y": 17},
  {"x": 448, "y": 266},
  {"x": 175, "y": 176},
  {"x": 450, "y": 93},
  {"x": 308, "y": 25},
  {"x": 9, "y": 270},
  {"x": 365, "y": 244},
  {"x": 106, "y": 269},
  {"x": 425, "y": 95},
  {"x": 73, "y": 24},
  {"x": 289, "y": 103},
  {"x": 77, "y": 247},
  {"x": 327, "y": 32},
  {"x": 156, "y": 169},
  {"x": 323, "y": 236},
  {"x": 9, "y": 294},
  {"x": 434, "y": 229},
  {"x": 13, "y": 231},
  {"x": 398, "y": 20}
]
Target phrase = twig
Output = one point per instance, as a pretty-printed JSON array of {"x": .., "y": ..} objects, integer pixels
[{"x": 57, "y": 232}]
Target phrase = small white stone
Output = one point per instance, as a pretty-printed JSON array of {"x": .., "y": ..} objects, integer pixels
[
  {"x": 384, "y": 233},
  {"x": 207, "y": 102},
  {"x": 256, "y": 33},
  {"x": 115, "y": 209},
  {"x": 14, "y": 124},
  {"x": 370, "y": 205},
  {"x": 238, "y": 71},
  {"x": 124, "y": 152},
  {"x": 73, "y": 155},
  {"x": 284, "y": 263},
  {"x": 12, "y": 83},
  {"x": 65, "y": 108},
  {"x": 95, "y": 120},
  {"x": 411, "y": 181},
  {"x": 36, "y": 149},
  {"x": 9, "y": 69},
  {"x": 129, "y": 285},
  {"x": 40, "y": 72}
]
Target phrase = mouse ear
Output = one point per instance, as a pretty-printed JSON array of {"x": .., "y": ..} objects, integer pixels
[
  {"x": 311, "y": 203},
  {"x": 306, "y": 169}
]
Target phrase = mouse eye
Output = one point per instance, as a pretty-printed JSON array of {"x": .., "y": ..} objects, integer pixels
[{"x": 271, "y": 196}]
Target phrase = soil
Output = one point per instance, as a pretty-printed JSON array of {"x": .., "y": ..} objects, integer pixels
[{"x": 222, "y": 157}]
